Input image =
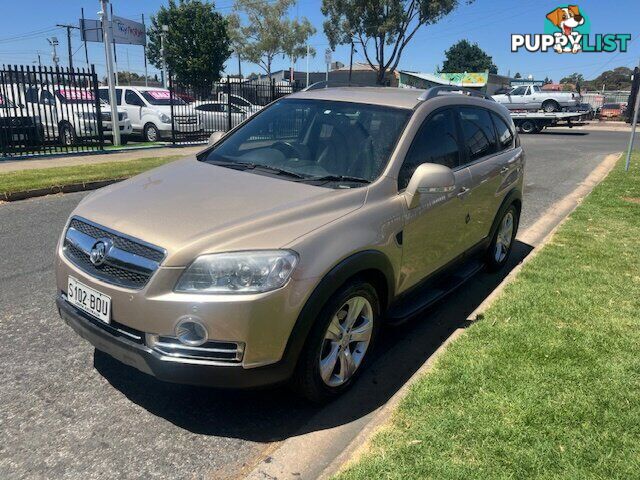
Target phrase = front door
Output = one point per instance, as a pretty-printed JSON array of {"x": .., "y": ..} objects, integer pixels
[
  {"x": 517, "y": 98},
  {"x": 434, "y": 231}
]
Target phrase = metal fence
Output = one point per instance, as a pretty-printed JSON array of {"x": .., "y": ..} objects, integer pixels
[
  {"x": 197, "y": 112},
  {"x": 597, "y": 99},
  {"x": 50, "y": 110}
]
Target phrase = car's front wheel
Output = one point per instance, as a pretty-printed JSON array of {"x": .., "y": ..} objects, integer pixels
[
  {"x": 339, "y": 343},
  {"x": 503, "y": 240},
  {"x": 150, "y": 133}
]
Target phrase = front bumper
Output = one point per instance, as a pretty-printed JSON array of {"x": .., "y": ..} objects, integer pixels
[{"x": 138, "y": 355}]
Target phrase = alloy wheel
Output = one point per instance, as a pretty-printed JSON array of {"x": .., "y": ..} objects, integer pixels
[
  {"x": 346, "y": 341},
  {"x": 504, "y": 238}
]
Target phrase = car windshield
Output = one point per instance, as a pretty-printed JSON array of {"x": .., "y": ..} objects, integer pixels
[
  {"x": 318, "y": 141},
  {"x": 161, "y": 97}
]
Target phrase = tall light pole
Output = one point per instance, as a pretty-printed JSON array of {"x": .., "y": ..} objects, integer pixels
[
  {"x": 106, "y": 32},
  {"x": 53, "y": 41},
  {"x": 163, "y": 33}
]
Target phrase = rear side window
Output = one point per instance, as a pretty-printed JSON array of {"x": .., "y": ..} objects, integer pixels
[
  {"x": 478, "y": 131},
  {"x": 505, "y": 135},
  {"x": 435, "y": 142}
]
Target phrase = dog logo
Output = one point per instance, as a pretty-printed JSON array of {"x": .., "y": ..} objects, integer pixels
[
  {"x": 567, "y": 19},
  {"x": 567, "y": 29}
]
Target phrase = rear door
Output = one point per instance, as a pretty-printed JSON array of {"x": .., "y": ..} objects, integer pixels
[
  {"x": 489, "y": 158},
  {"x": 434, "y": 230}
]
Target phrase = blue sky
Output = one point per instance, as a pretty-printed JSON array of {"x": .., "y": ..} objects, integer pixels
[{"x": 26, "y": 24}]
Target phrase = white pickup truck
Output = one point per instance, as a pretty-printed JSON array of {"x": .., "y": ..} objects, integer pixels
[{"x": 532, "y": 97}]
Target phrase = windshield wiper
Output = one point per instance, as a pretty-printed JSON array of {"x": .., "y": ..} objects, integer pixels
[
  {"x": 337, "y": 178},
  {"x": 256, "y": 166}
]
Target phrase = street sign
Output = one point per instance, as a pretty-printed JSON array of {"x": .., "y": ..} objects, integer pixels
[
  {"x": 327, "y": 56},
  {"x": 123, "y": 31}
]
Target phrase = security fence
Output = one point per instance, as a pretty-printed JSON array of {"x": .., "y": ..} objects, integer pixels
[
  {"x": 50, "y": 110},
  {"x": 597, "y": 99},
  {"x": 198, "y": 111}
]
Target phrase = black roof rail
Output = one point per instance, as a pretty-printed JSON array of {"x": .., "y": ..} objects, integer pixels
[{"x": 435, "y": 91}]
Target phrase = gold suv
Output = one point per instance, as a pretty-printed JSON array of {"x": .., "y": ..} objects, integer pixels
[{"x": 277, "y": 253}]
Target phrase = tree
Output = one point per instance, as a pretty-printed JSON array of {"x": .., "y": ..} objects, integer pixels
[
  {"x": 196, "y": 45},
  {"x": 517, "y": 75},
  {"x": 574, "y": 78},
  {"x": 547, "y": 81},
  {"x": 267, "y": 32},
  {"x": 617, "y": 79},
  {"x": 383, "y": 28},
  {"x": 465, "y": 57}
]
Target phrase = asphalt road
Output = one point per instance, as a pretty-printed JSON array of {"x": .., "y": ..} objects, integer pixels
[{"x": 69, "y": 412}]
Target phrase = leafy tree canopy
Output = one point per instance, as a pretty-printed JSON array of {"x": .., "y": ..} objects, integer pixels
[
  {"x": 616, "y": 79},
  {"x": 260, "y": 31},
  {"x": 574, "y": 78},
  {"x": 196, "y": 45},
  {"x": 517, "y": 75},
  {"x": 466, "y": 57},
  {"x": 382, "y": 27}
]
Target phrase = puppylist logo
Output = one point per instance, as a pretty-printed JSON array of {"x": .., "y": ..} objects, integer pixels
[{"x": 568, "y": 30}]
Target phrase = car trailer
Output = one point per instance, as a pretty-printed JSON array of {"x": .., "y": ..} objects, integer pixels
[{"x": 535, "y": 122}]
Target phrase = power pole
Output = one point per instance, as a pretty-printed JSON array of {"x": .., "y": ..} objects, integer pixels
[
  {"x": 351, "y": 63},
  {"x": 69, "y": 27},
  {"x": 106, "y": 32},
  {"x": 634, "y": 121},
  {"x": 53, "y": 41}
]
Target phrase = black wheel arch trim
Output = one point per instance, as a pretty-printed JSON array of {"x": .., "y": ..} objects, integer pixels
[
  {"x": 514, "y": 196},
  {"x": 350, "y": 267}
]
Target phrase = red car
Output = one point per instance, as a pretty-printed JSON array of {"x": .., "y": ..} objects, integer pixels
[{"x": 610, "y": 110}]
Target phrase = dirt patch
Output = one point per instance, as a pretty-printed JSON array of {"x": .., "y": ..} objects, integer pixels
[{"x": 635, "y": 200}]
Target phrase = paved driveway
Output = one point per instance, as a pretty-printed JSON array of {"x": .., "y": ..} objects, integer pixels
[{"x": 68, "y": 412}]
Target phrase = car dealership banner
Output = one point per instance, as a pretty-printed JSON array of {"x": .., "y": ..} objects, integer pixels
[{"x": 124, "y": 31}]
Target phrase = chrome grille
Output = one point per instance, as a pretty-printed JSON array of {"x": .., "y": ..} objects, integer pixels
[{"x": 128, "y": 263}]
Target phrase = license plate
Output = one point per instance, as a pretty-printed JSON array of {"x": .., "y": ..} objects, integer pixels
[{"x": 89, "y": 300}]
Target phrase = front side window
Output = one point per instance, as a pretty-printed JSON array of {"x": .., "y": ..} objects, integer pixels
[
  {"x": 317, "y": 140},
  {"x": 104, "y": 95},
  {"x": 478, "y": 132},
  {"x": 505, "y": 135},
  {"x": 132, "y": 98},
  {"x": 519, "y": 91},
  {"x": 435, "y": 142}
]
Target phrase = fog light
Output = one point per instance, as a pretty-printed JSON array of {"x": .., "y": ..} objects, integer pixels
[{"x": 190, "y": 331}]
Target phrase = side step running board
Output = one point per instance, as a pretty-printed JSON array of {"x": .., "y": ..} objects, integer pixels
[{"x": 417, "y": 302}]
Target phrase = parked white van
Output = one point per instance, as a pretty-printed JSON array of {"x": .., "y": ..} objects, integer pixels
[
  {"x": 149, "y": 109},
  {"x": 68, "y": 114}
]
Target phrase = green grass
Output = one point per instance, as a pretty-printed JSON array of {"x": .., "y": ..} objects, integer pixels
[
  {"x": 23, "y": 180},
  {"x": 547, "y": 383}
]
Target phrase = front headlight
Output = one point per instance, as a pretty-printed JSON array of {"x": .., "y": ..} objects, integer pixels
[
  {"x": 238, "y": 272},
  {"x": 164, "y": 118},
  {"x": 124, "y": 115}
]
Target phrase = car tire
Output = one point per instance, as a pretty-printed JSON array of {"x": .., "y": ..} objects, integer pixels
[
  {"x": 124, "y": 139},
  {"x": 503, "y": 239},
  {"x": 330, "y": 362},
  {"x": 150, "y": 133},
  {"x": 67, "y": 135},
  {"x": 550, "y": 106},
  {"x": 528, "y": 126}
]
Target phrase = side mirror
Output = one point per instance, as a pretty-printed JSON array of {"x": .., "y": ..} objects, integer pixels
[
  {"x": 429, "y": 179},
  {"x": 215, "y": 137}
]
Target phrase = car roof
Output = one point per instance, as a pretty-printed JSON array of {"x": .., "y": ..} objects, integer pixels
[{"x": 384, "y": 96}]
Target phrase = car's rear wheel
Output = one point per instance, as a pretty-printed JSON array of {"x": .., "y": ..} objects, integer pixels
[
  {"x": 550, "y": 106},
  {"x": 503, "y": 240},
  {"x": 340, "y": 342}
]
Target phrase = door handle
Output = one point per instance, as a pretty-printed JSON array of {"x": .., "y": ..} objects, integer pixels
[
  {"x": 504, "y": 170},
  {"x": 463, "y": 191}
]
